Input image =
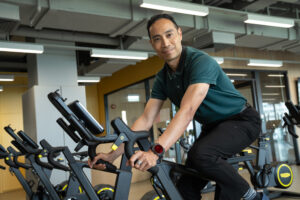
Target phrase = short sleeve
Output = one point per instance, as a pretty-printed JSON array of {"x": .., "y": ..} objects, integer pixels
[
  {"x": 204, "y": 69},
  {"x": 158, "y": 89}
]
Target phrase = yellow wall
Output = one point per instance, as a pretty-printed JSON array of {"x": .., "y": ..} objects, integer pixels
[
  {"x": 92, "y": 98},
  {"x": 10, "y": 113}
]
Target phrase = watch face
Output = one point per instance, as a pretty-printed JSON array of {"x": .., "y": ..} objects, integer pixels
[{"x": 158, "y": 149}]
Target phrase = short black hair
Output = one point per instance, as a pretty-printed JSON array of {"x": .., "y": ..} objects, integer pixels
[{"x": 157, "y": 17}]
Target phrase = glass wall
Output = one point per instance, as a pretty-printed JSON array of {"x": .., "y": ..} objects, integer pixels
[
  {"x": 274, "y": 96},
  {"x": 127, "y": 103}
]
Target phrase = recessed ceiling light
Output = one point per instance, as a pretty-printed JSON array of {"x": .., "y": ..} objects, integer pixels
[
  {"x": 276, "y": 75},
  {"x": 20, "y": 47},
  {"x": 264, "y": 63},
  {"x": 119, "y": 54},
  {"x": 275, "y": 86},
  {"x": 269, "y": 21},
  {"x": 88, "y": 79},
  {"x": 4, "y": 77},
  {"x": 236, "y": 74},
  {"x": 176, "y": 6}
]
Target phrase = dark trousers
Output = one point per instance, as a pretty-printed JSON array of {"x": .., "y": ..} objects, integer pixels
[{"x": 217, "y": 142}]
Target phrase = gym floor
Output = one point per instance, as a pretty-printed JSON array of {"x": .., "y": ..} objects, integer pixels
[{"x": 20, "y": 194}]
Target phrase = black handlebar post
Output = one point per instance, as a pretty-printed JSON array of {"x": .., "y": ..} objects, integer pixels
[
  {"x": 15, "y": 158},
  {"x": 293, "y": 118},
  {"x": 140, "y": 137},
  {"x": 53, "y": 152},
  {"x": 27, "y": 139}
]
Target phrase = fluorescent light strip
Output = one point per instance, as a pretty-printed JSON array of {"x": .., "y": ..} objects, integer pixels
[
  {"x": 124, "y": 116},
  {"x": 4, "y": 77},
  {"x": 237, "y": 74},
  {"x": 88, "y": 79},
  {"x": 19, "y": 47},
  {"x": 276, "y": 75},
  {"x": 271, "y": 99},
  {"x": 219, "y": 60},
  {"x": 264, "y": 63},
  {"x": 269, "y": 21},
  {"x": 275, "y": 86},
  {"x": 270, "y": 94},
  {"x": 175, "y": 6},
  {"x": 133, "y": 98},
  {"x": 119, "y": 54}
]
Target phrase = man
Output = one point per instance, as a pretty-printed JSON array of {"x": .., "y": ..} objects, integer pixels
[{"x": 198, "y": 86}]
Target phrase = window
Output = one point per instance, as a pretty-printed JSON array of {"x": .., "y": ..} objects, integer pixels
[
  {"x": 274, "y": 95},
  {"x": 127, "y": 103}
]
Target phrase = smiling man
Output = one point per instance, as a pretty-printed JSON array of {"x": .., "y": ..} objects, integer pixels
[{"x": 195, "y": 83}]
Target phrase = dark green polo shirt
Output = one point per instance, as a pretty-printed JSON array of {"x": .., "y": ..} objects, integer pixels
[{"x": 195, "y": 66}]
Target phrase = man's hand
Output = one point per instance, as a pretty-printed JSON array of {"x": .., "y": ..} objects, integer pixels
[
  {"x": 144, "y": 160},
  {"x": 109, "y": 157}
]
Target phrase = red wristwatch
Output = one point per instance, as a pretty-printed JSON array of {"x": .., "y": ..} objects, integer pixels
[{"x": 158, "y": 150}]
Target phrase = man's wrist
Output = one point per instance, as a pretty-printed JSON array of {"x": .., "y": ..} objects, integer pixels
[{"x": 158, "y": 150}]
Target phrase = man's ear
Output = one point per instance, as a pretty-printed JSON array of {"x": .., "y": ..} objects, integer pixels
[{"x": 179, "y": 32}]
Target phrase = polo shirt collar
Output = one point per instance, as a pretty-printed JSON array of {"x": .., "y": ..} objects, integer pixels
[{"x": 180, "y": 67}]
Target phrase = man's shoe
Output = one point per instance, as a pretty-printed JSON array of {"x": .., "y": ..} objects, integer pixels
[{"x": 261, "y": 196}]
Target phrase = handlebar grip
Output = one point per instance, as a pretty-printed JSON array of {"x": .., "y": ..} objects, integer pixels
[
  {"x": 2, "y": 149},
  {"x": 66, "y": 128},
  {"x": 45, "y": 145},
  {"x": 19, "y": 146},
  {"x": 52, "y": 154},
  {"x": 47, "y": 148},
  {"x": 108, "y": 165},
  {"x": 42, "y": 164},
  {"x": 11, "y": 132},
  {"x": 92, "y": 154},
  {"x": 8, "y": 160},
  {"x": 13, "y": 151},
  {"x": 292, "y": 132},
  {"x": 79, "y": 127},
  {"x": 15, "y": 159},
  {"x": 27, "y": 139}
]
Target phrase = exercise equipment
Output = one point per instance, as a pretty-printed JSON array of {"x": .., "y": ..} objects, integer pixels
[{"x": 83, "y": 128}]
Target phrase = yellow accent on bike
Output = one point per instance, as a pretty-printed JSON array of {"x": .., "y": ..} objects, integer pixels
[
  {"x": 106, "y": 188},
  {"x": 80, "y": 190},
  {"x": 241, "y": 168},
  {"x": 114, "y": 147},
  {"x": 247, "y": 150},
  {"x": 285, "y": 175},
  {"x": 157, "y": 198},
  {"x": 278, "y": 170},
  {"x": 65, "y": 187},
  {"x": 40, "y": 156}
]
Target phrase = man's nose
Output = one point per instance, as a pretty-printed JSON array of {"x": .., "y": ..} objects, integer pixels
[{"x": 165, "y": 42}]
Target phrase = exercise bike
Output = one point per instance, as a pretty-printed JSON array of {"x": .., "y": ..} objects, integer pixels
[
  {"x": 263, "y": 175},
  {"x": 162, "y": 179}
]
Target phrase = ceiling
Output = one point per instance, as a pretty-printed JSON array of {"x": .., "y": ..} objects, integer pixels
[{"x": 121, "y": 24}]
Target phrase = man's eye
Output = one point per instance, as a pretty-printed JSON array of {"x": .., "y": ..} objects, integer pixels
[
  {"x": 169, "y": 35},
  {"x": 156, "y": 39}
]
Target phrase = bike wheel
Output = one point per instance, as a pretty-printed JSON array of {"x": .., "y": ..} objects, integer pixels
[
  {"x": 152, "y": 195},
  {"x": 104, "y": 191}
]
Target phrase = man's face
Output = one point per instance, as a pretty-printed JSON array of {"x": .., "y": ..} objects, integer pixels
[{"x": 165, "y": 39}]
